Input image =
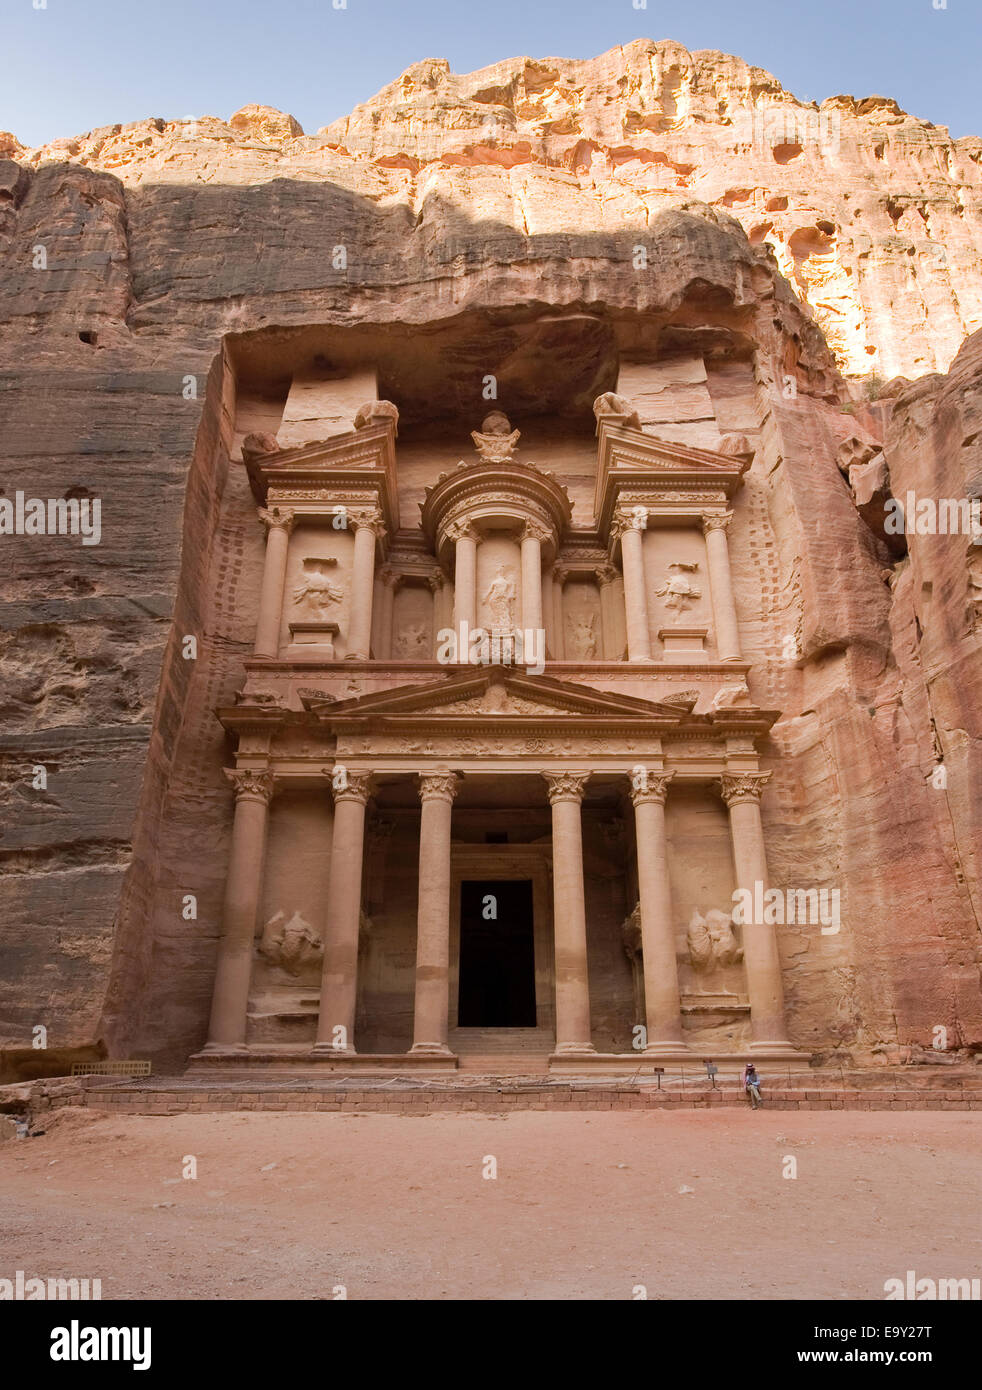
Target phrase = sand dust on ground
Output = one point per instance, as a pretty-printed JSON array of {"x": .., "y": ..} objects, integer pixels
[{"x": 533, "y": 1205}]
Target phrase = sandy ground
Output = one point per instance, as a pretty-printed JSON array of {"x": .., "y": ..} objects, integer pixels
[{"x": 584, "y": 1206}]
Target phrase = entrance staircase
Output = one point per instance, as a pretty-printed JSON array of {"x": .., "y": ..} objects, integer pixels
[{"x": 502, "y": 1051}]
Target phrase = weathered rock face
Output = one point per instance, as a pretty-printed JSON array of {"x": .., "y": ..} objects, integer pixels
[
  {"x": 874, "y": 215},
  {"x": 162, "y": 287}
]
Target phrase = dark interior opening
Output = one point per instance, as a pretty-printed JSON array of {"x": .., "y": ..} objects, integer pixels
[{"x": 497, "y": 956}]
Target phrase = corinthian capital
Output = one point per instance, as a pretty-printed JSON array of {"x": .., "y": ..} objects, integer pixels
[
  {"x": 366, "y": 518},
  {"x": 535, "y": 531},
  {"x": 438, "y": 786},
  {"x": 737, "y": 787},
  {"x": 281, "y": 518},
  {"x": 250, "y": 786},
  {"x": 461, "y": 530},
  {"x": 350, "y": 786},
  {"x": 629, "y": 519},
  {"x": 566, "y": 786},
  {"x": 716, "y": 521},
  {"x": 649, "y": 786}
]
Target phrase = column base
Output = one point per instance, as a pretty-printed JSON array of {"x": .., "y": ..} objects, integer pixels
[
  {"x": 778, "y": 1051},
  {"x": 575, "y": 1050},
  {"x": 323, "y": 1049},
  {"x": 670, "y": 1048},
  {"x": 431, "y": 1050},
  {"x": 224, "y": 1047}
]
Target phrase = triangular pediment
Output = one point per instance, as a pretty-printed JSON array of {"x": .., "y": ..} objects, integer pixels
[
  {"x": 635, "y": 449},
  {"x": 494, "y": 693},
  {"x": 367, "y": 450}
]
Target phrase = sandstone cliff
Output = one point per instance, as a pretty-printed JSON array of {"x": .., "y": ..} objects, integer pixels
[
  {"x": 875, "y": 216},
  {"x": 152, "y": 274}
]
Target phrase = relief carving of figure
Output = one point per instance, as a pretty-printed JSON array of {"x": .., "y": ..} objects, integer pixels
[
  {"x": 583, "y": 637},
  {"x": 315, "y": 588},
  {"x": 500, "y": 598},
  {"x": 294, "y": 945},
  {"x": 711, "y": 941},
  {"x": 678, "y": 591}
]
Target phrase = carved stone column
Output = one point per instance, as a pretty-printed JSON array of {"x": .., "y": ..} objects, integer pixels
[
  {"x": 465, "y": 585},
  {"x": 437, "y": 791},
  {"x": 367, "y": 523},
  {"x": 339, "y": 980},
  {"x": 279, "y": 523},
  {"x": 569, "y": 913},
  {"x": 442, "y": 611},
  {"x": 532, "y": 538},
  {"x": 559, "y": 576},
  {"x": 607, "y": 578},
  {"x": 663, "y": 1014},
  {"x": 389, "y": 584},
  {"x": 630, "y": 523},
  {"x": 714, "y": 526},
  {"x": 742, "y": 793},
  {"x": 230, "y": 999}
]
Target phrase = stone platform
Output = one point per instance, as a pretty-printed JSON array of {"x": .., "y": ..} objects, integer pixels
[{"x": 886, "y": 1089}]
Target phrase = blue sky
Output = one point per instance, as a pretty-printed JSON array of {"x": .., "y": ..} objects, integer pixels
[{"x": 76, "y": 64}]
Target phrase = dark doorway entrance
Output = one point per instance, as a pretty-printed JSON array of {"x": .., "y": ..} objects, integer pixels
[{"x": 497, "y": 957}]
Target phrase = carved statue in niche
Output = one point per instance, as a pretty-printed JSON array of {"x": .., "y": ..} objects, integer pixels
[
  {"x": 678, "y": 591},
  {"x": 414, "y": 641},
  {"x": 711, "y": 941},
  {"x": 294, "y": 946},
  {"x": 500, "y": 598},
  {"x": 582, "y": 634},
  {"x": 315, "y": 588},
  {"x": 496, "y": 440}
]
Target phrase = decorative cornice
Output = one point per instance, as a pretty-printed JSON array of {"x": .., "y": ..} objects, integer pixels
[
  {"x": 566, "y": 786},
  {"x": 739, "y": 787}
]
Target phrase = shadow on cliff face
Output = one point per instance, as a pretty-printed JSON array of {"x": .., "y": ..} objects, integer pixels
[{"x": 288, "y": 253}]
